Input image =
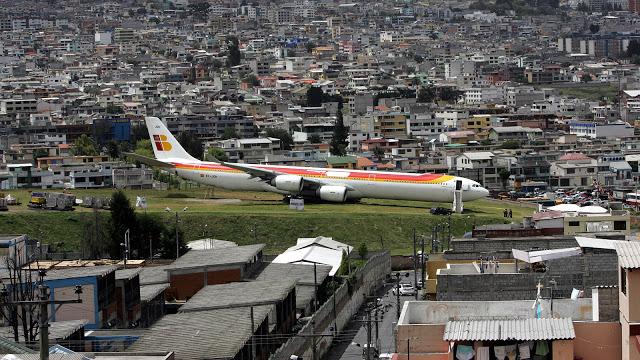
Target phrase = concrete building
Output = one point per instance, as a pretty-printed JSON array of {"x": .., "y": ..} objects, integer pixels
[
  {"x": 612, "y": 130},
  {"x": 199, "y": 268},
  {"x": 517, "y": 133},
  {"x": 98, "y": 296},
  {"x": 430, "y": 330}
]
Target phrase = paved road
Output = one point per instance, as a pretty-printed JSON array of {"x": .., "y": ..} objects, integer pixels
[{"x": 349, "y": 346}]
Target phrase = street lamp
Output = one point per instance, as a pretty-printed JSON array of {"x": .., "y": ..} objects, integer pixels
[{"x": 168, "y": 209}]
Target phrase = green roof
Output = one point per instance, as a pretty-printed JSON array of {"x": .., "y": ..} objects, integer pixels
[{"x": 333, "y": 160}]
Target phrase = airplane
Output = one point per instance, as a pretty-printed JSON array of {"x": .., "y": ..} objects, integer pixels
[{"x": 325, "y": 184}]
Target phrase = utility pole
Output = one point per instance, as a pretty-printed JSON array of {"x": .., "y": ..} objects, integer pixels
[
  {"x": 177, "y": 241},
  {"x": 377, "y": 333},
  {"x": 315, "y": 309},
  {"x": 397, "y": 296},
  {"x": 43, "y": 322},
  {"x": 423, "y": 267},
  {"x": 415, "y": 263},
  {"x": 449, "y": 241},
  {"x": 253, "y": 336},
  {"x": 368, "y": 349}
]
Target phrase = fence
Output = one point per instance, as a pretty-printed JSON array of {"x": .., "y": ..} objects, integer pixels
[{"x": 337, "y": 311}]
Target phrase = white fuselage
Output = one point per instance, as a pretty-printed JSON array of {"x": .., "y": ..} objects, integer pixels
[{"x": 362, "y": 184}]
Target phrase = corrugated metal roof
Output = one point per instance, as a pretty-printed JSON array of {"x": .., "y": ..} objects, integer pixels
[
  {"x": 629, "y": 254},
  {"x": 517, "y": 329},
  {"x": 154, "y": 275},
  {"x": 303, "y": 274},
  {"x": 239, "y": 294},
  {"x": 71, "y": 273},
  {"x": 149, "y": 292},
  {"x": 58, "y": 330},
  {"x": 213, "y": 334},
  {"x": 127, "y": 274},
  {"x": 224, "y": 256}
]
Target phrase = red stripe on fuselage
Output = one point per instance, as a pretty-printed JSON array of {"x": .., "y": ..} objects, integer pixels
[{"x": 356, "y": 175}]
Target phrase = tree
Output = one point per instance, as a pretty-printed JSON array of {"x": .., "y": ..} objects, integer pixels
[
  {"x": 504, "y": 176},
  {"x": 191, "y": 144},
  {"x": 114, "y": 109},
  {"x": 167, "y": 248},
  {"x": 378, "y": 152},
  {"x": 40, "y": 153},
  {"x": 633, "y": 49},
  {"x": 200, "y": 9},
  {"x": 216, "y": 154},
  {"x": 21, "y": 287},
  {"x": 486, "y": 142},
  {"x": 510, "y": 144},
  {"x": 594, "y": 28},
  {"x": 585, "y": 78},
  {"x": 339, "y": 141},
  {"x": 449, "y": 94},
  {"x": 229, "y": 133},
  {"x": 426, "y": 94},
  {"x": 344, "y": 263},
  {"x": 233, "y": 48},
  {"x": 314, "y": 96},
  {"x": 150, "y": 230},
  {"x": 84, "y": 146},
  {"x": 315, "y": 139},
  {"x": 123, "y": 218},
  {"x": 96, "y": 233},
  {"x": 113, "y": 149},
  {"x": 286, "y": 141},
  {"x": 363, "y": 251},
  {"x": 143, "y": 148},
  {"x": 252, "y": 80},
  {"x": 309, "y": 46}
]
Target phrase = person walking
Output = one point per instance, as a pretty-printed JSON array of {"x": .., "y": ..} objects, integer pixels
[
  {"x": 505, "y": 213},
  {"x": 510, "y": 214}
]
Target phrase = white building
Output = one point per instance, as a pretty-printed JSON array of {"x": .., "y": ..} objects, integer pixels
[{"x": 612, "y": 130}]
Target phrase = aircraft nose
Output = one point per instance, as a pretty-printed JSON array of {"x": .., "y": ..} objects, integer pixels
[{"x": 483, "y": 192}]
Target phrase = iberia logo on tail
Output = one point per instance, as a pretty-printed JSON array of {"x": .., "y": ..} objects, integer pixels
[{"x": 161, "y": 143}]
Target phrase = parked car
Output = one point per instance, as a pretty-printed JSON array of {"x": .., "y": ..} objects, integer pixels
[
  {"x": 440, "y": 211},
  {"x": 405, "y": 290}
]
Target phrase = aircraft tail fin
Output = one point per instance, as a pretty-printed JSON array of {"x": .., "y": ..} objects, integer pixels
[{"x": 165, "y": 146}]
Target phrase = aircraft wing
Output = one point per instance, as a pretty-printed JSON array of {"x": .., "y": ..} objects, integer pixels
[
  {"x": 147, "y": 160},
  {"x": 268, "y": 175}
]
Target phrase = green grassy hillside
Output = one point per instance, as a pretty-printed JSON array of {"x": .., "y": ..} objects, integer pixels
[{"x": 245, "y": 218}]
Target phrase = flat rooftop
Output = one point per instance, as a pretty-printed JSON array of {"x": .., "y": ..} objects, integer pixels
[{"x": 441, "y": 312}]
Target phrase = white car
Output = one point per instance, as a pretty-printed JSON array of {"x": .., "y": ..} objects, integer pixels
[{"x": 405, "y": 290}]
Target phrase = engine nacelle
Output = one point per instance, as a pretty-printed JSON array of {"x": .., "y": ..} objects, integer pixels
[
  {"x": 333, "y": 193},
  {"x": 291, "y": 183}
]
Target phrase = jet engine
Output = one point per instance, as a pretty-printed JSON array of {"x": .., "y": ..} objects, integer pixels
[
  {"x": 291, "y": 183},
  {"x": 333, "y": 193}
]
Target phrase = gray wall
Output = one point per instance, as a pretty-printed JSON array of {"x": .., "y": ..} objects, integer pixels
[{"x": 595, "y": 267}]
